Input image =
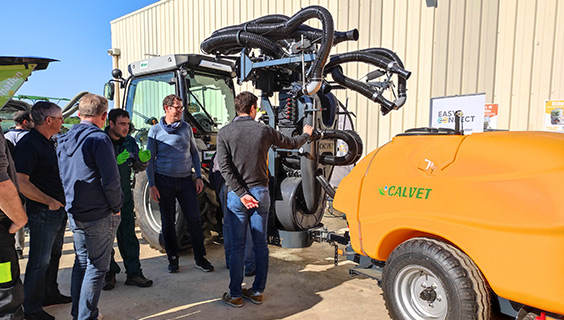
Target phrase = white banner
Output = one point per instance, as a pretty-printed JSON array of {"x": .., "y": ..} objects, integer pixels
[{"x": 472, "y": 107}]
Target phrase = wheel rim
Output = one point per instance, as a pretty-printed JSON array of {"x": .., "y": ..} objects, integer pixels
[
  {"x": 420, "y": 294},
  {"x": 152, "y": 211}
]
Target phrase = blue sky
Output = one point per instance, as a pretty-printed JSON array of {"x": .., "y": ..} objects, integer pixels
[{"x": 77, "y": 33}]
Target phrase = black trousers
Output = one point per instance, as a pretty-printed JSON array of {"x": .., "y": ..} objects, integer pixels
[{"x": 11, "y": 288}]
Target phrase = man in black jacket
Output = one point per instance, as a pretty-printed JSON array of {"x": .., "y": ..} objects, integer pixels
[{"x": 242, "y": 149}]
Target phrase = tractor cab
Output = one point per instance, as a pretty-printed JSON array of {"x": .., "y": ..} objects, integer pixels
[
  {"x": 203, "y": 83},
  {"x": 206, "y": 88}
]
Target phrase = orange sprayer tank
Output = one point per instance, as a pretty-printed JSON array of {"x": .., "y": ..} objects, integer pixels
[{"x": 497, "y": 196}]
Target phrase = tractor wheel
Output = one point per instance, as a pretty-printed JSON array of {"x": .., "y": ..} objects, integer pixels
[
  {"x": 428, "y": 279},
  {"x": 149, "y": 215}
]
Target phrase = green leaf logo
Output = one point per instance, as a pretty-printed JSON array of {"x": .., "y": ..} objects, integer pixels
[{"x": 381, "y": 191}]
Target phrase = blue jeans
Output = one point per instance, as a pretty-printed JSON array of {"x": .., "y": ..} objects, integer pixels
[
  {"x": 239, "y": 219},
  {"x": 183, "y": 190},
  {"x": 51, "y": 286},
  {"x": 93, "y": 242},
  {"x": 249, "y": 253},
  {"x": 44, "y": 225}
]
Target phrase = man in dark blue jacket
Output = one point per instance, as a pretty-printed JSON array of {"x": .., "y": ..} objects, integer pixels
[{"x": 93, "y": 200}]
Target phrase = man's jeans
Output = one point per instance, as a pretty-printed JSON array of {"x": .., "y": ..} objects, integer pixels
[
  {"x": 183, "y": 190},
  {"x": 249, "y": 252},
  {"x": 93, "y": 242},
  {"x": 44, "y": 225},
  {"x": 239, "y": 219},
  {"x": 51, "y": 286}
]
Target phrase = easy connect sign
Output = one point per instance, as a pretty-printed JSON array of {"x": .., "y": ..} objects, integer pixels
[{"x": 472, "y": 107}]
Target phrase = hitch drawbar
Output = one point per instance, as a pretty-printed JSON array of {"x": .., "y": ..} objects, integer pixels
[
  {"x": 334, "y": 239},
  {"x": 366, "y": 266}
]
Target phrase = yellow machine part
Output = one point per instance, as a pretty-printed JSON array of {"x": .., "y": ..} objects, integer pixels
[{"x": 497, "y": 196}]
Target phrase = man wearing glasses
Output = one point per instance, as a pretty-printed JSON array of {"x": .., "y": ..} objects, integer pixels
[
  {"x": 38, "y": 176},
  {"x": 174, "y": 154}
]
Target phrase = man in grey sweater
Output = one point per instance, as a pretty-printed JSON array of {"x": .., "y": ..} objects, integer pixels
[{"x": 242, "y": 148}]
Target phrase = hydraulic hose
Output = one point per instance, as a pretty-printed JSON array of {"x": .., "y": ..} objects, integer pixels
[
  {"x": 380, "y": 57},
  {"x": 316, "y": 76},
  {"x": 402, "y": 82},
  {"x": 374, "y": 59},
  {"x": 385, "y": 52},
  {"x": 326, "y": 186},
  {"x": 70, "y": 107},
  {"x": 362, "y": 88},
  {"x": 277, "y": 25},
  {"x": 313, "y": 34},
  {"x": 354, "y": 146},
  {"x": 273, "y": 18},
  {"x": 228, "y": 41}
]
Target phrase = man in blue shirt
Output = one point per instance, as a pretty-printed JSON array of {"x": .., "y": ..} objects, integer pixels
[
  {"x": 174, "y": 154},
  {"x": 93, "y": 199}
]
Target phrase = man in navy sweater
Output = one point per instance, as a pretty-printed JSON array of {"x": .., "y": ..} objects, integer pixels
[
  {"x": 93, "y": 197},
  {"x": 242, "y": 152},
  {"x": 174, "y": 154}
]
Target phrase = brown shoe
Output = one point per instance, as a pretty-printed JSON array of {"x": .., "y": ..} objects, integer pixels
[
  {"x": 234, "y": 302},
  {"x": 254, "y": 297}
]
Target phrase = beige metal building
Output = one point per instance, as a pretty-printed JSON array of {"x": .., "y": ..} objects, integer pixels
[{"x": 513, "y": 51}]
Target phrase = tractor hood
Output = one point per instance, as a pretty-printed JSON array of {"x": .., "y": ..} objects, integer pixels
[{"x": 14, "y": 71}]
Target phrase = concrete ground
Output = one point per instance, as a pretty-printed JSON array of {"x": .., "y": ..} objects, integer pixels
[{"x": 302, "y": 284}]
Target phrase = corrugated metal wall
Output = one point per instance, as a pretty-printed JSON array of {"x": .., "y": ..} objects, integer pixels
[{"x": 511, "y": 50}]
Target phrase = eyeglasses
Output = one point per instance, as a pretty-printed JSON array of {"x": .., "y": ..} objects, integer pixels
[
  {"x": 60, "y": 118},
  {"x": 177, "y": 108}
]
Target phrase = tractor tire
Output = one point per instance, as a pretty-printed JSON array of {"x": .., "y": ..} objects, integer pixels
[
  {"x": 428, "y": 279},
  {"x": 149, "y": 216}
]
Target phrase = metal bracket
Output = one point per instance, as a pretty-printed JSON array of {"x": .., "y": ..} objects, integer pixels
[{"x": 246, "y": 66}]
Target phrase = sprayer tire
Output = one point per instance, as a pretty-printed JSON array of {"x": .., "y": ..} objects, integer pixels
[{"x": 428, "y": 279}]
